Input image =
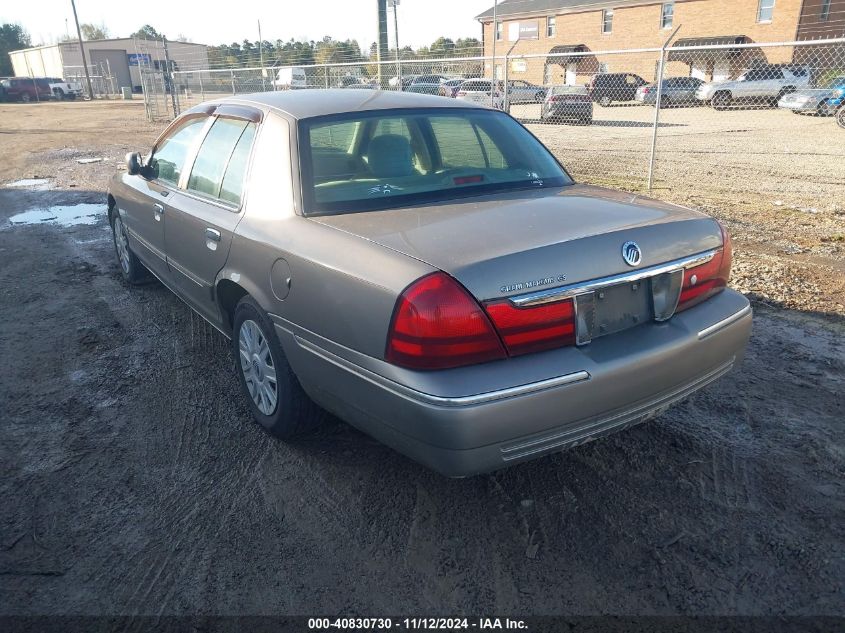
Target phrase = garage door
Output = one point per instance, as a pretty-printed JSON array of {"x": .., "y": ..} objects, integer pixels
[{"x": 114, "y": 62}]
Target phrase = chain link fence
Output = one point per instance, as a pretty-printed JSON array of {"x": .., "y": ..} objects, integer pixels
[{"x": 736, "y": 116}]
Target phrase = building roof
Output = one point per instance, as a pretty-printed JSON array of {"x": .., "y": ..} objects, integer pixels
[
  {"x": 110, "y": 40},
  {"x": 511, "y": 8},
  {"x": 304, "y": 104}
]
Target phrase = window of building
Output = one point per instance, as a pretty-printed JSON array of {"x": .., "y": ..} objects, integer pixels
[
  {"x": 607, "y": 21},
  {"x": 667, "y": 14},
  {"x": 825, "y": 12},
  {"x": 551, "y": 26},
  {"x": 500, "y": 30},
  {"x": 765, "y": 10}
]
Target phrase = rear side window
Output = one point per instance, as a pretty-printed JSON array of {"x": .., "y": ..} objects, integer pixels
[
  {"x": 213, "y": 156},
  {"x": 169, "y": 156},
  {"x": 233, "y": 180}
]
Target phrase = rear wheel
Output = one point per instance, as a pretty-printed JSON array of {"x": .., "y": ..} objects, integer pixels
[
  {"x": 539, "y": 97},
  {"x": 605, "y": 101},
  {"x": 58, "y": 94},
  {"x": 840, "y": 118},
  {"x": 722, "y": 100},
  {"x": 276, "y": 399},
  {"x": 783, "y": 92},
  {"x": 25, "y": 97},
  {"x": 665, "y": 102}
]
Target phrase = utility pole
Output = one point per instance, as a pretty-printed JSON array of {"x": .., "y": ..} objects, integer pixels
[
  {"x": 395, "y": 4},
  {"x": 493, "y": 63},
  {"x": 261, "y": 56},
  {"x": 82, "y": 50},
  {"x": 383, "y": 47}
]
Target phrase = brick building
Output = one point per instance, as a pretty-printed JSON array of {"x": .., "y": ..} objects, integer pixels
[{"x": 585, "y": 28}]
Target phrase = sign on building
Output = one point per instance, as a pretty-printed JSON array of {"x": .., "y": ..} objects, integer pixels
[
  {"x": 523, "y": 31},
  {"x": 135, "y": 58}
]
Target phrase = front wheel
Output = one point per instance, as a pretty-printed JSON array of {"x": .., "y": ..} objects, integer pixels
[
  {"x": 605, "y": 101},
  {"x": 25, "y": 97},
  {"x": 276, "y": 399},
  {"x": 840, "y": 118},
  {"x": 131, "y": 268}
]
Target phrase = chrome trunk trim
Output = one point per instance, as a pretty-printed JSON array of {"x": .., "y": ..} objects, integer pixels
[{"x": 572, "y": 290}]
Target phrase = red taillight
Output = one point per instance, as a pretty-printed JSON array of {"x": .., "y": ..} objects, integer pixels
[
  {"x": 645, "y": 90},
  {"x": 438, "y": 325},
  {"x": 526, "y": 330},
  {"x": 708, "y": 279}
]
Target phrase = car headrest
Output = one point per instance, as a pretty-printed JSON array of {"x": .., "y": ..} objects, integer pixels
[{"x": 390, "y": 155}]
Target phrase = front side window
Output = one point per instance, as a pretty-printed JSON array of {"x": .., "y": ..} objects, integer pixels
[
  {"x": 667, "y": 15},
  {"x": 411, "y": 157},
  {"x": 169, "y": 156},
  {"x": 607, "y": 21},
  {"x": 551, "y": 26},
  {"x": 765, "y": 10}
]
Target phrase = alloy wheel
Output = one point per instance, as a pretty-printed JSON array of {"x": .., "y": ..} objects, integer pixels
[{"x": 258, "y": 367}]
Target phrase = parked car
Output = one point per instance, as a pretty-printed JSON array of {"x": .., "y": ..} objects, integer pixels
[
  {"x": 824, "y": 101},
  {"x": 62, "y": 89},
  {"x": 761, "y": 85},
  {"x": 480, "y": 91},
  {"x": 27, "y": 89},
  {"x": 290, "y": 78},
  {"x": 450, "y": 87},
  {"x": 393, "y": 82},
  {"x": 426, "y": 270},
  {"x": 609, "y": 87},
  {"x": 567, "y": 103},
  {"x": 523, "y": 92},
  {"x": 426, "y": 84},
  {"x": 674, "y": 91},
  {"x": 358, "y": 83}
]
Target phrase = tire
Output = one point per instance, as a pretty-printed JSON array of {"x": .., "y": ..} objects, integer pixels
[
  {"x": 25, "y": 98},
  {"x": 605, "y": 101},
  {"x": 722, "y": 100},
  {"x": 588, "y": 121},
  {"x": 540, "y": 97},
  {"x": 665, "y": 102},
  {"x": 257, "y": 353},
  {"x": 131, "y": 268},
  {"x": 840, "y": 118},
  {"x": 783, "y": 92},
  {"x": 58, "y": 95}
]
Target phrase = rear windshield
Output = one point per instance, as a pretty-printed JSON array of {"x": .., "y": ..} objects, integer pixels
[{"x": 391, "y": 158}]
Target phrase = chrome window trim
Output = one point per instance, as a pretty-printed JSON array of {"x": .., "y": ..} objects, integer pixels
[{"x": 565, "y": 292}]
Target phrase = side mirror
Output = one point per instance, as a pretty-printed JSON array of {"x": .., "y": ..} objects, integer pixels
[{"x": 133, "y": 163}]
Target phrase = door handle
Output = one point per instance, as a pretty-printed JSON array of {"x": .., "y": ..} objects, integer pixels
[
  {"x": 212, "y": 234},
  {"x": 159, "y": 209}
]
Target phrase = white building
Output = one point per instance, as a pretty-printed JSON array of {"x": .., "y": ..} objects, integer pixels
[{"x": 113, "y": 64}]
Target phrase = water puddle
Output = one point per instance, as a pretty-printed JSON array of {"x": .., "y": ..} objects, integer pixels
[
  {"x": 63, "y": 215},
  {"x": 36, "y": 184}
]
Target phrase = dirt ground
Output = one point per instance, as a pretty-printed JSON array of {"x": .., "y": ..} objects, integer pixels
[{"x": 134, "y": 482}]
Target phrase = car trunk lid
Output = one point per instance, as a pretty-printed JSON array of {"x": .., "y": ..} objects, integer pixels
[{"x": 513, "y": 244}]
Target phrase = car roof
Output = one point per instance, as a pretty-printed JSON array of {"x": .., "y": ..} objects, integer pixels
[{"x": 305, "y": 104}]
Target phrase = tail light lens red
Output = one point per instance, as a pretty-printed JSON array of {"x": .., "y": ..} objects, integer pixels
[
  {"x": 437, "y": 324},
  {"x": 526, "y": 330},
  {"x": 702, "y": 282}
]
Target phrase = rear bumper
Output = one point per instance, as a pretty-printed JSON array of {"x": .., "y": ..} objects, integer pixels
[
  {"x": 586, "y": 392},
  {"x": 568, "y": 110}
]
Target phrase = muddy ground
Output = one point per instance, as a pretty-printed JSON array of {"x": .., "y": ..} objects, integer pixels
[{"x": 134, "y": 482}]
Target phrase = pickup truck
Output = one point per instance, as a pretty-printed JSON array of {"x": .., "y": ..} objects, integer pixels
[{"x": 62, "y": 89}]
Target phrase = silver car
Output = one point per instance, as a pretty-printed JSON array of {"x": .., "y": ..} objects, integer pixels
[
  {"x": 824, "y": 101},
  {"x": 674, "y": 91},
  {"x": 426, "y": 270}
]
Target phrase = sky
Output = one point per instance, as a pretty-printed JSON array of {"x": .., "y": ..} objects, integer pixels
[{"x": 217, "y": 21}]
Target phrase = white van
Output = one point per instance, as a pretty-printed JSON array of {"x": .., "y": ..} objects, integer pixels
[{"x": 290, "y": 78}]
